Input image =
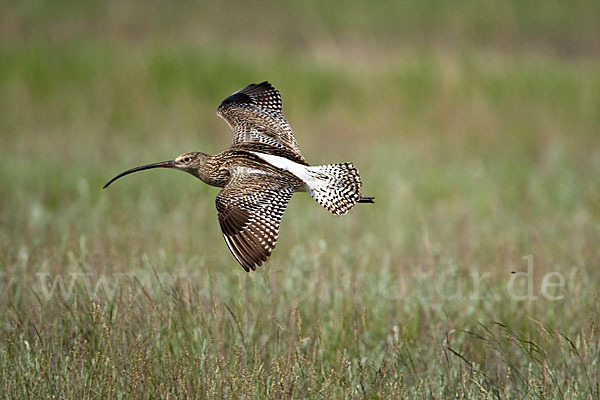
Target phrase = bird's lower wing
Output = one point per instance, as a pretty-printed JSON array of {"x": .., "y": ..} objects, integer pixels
[{"x": 250, "y": 208}]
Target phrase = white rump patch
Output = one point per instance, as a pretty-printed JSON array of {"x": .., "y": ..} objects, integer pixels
[{"x": 335, "y": 186}]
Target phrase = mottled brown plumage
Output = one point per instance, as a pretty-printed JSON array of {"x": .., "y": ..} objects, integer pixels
[{"x": 260, "y": 172}]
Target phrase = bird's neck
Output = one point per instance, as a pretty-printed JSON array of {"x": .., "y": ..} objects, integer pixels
[{"x": 210, "y": 172}]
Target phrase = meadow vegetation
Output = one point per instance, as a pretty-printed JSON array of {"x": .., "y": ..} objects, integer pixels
[{"x": 476, "y": 125}]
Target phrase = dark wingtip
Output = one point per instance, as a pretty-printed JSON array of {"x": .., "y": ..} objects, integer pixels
[
  {"x": 245, "y": 95},
  {"x": 236, "y": 98},
  {"x": 366, "y": 199}
]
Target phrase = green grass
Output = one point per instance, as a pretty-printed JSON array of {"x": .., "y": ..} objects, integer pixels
[{"x": 475, "y": 126}]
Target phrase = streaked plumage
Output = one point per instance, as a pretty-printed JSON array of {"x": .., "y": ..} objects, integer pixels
[
  {"x": 254, "y": 115},
  {"x": 260, "y": 172}
]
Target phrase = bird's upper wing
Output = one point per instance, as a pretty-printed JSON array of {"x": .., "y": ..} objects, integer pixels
[
  {"x": 249, "y": 208},
  {"x": 254, "y": 115}
]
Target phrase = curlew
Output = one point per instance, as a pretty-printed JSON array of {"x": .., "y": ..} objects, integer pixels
[{"x": 260, "y": 172}]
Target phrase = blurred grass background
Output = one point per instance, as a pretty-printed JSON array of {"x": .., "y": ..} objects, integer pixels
[{"x": 474, "y": 123}]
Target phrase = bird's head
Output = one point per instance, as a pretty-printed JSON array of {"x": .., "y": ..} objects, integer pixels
[{"x": 188, "y": 162}]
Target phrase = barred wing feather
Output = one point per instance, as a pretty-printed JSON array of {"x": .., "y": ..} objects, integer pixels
[
  {"x": 254, "y": 114},
  {"x": 250, "y": 208}
]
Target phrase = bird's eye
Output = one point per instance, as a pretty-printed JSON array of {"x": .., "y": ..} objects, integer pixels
[{"x": 187, "y": 159}]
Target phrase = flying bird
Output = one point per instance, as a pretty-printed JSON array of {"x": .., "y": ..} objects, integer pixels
[{"x": 260, "y": 172}]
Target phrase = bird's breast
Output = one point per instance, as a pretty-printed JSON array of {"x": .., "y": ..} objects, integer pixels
[{"x": 214, "y": 177}]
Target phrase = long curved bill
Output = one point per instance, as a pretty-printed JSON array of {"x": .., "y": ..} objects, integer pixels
[{"x": 162, "y": 164}]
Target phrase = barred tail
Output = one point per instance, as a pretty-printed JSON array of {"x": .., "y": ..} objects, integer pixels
[{"x": 335, "y": 186}]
